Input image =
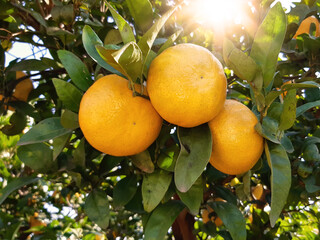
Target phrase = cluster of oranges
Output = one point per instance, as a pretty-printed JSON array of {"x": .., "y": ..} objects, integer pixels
[{"x": 187, "y": 87}]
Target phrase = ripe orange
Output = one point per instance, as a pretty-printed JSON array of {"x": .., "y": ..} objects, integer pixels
[
  {"x": 187, "y": 85},
  {"x": 206, "y": 212},
  {"x": 236, "y": 146},
  {"x": 21, "y": 91},
  {"x": 115, "y": 122},
  {"x": 305, "y": 26}
]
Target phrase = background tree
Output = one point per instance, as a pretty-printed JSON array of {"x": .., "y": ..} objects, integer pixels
[{"x": 56, "y": 186}]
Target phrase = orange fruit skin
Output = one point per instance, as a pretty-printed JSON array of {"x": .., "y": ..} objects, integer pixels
[
  {"x": 115, "y": 122},
  {"x": 187, "y": 85},
  {"x": 21, "y": 91},
  {"x": 236, "y": 146},
  {"x": 305, "y": 26}
]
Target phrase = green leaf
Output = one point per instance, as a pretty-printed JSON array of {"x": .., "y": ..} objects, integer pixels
[
  {"x": 14, "y": 185},
  {"x": 113, "y": 37},
  {"x": 26, "y": 109},
  {"x": 280, "y": 179},
  {"x": 97, "y": 208},
  {"x": 168, "y": 157},
  {"x": 154, "y": 187},
  {"x": 148, "y": 38},
  {"x": 193, "y": 198},
  {"x": 129, "y": 57},
  {"x": 311, "y": 184},
  {"x": 59, "y": 144},
  {"x": 142, "y": 13},
  {"x": 125, "y": 190},
  {"x": 106, "y": 55},
  {"x": 306, "y": 107},
  {"x": 79, "y": 155},
  {"x": 196, "y": 147},
  {"x": 90, "y": 40},
  {"x": 287, "y": 144},
  {"x": 69, "y": 119},
  {"x": 18, "y": 122},
  {"x": 161, "y": 219},
  {"x": 143, "y": 161},
  {"x": 269, "y": 129},
  {"x": 45, "y": 130},
  {"x": 76, "y": 69},
  {"x": 306, "y": 84},
  {"x": 288, "y": 115},
  {"x": 124, "y": 27},
  {"x": 68, "y": 94},
  {"x": 268, "y": 41},
  {"x": 30, "y": 65},
  {"x": 232, "y": 218},
  {"x": 38, "y": 156},
  {"x": 243, "y": 65}
]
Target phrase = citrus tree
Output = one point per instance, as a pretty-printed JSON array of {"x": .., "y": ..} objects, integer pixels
[{"x": 142, "y": 122}]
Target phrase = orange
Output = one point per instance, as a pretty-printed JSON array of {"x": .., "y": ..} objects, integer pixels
[
  {"x": 305, "y": 26},
  {"x": 206, "y": 212},
  {"x": 21, "y": 91},
  {"x": 236, "y": 146},
  {"x": 187, "y": 85},
  {"x": 114, "y": 121}
]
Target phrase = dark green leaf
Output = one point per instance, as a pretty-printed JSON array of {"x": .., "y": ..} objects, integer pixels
[
  {"x": 68, "y": 94},
  {"x": 154, "y": 187},
  {"x": 142, "y": 13},
  {"x": 311, "y": 153},
  {"x": 161, "y": 219},
  {"x": 45, "y": 130},
  {"x": 97, "y": 208},
  {"x": 232, "y": 219},
  {"x": 124, "y": 27},
  {"x": 280, "y": 178},
  {"x": 125, "y": 190},
  {"x": 14, "y": 185},
  {"x": 30, "y": 65},
  {"x": 196, "y": 147},
  {"x": 38, "y": 156},
  {"x": 306, "y": 107},
  {"x": 69, "y": 119},
  {"x": 268, "y": 41},
  {"x": 18, "y": 122},
  {"x": 288, "y": 115},
  {"x": 226, "y": 194},
  {"x": 79, "y": 156},
  {"x": 311, "y": 184},
  {"x": 287, "y": 144},
  {"x": 243, "y": 65},
  {"x": 59, "y": 144},
  {"x": 143, "y": 161},
  {"x": 26, "y": 108},
  {"x": 193, "y": 198},
  {"x": 129, "y": 57},
  {"x": 76, "y": 69},
  {"x": 90, "y": 40}
]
